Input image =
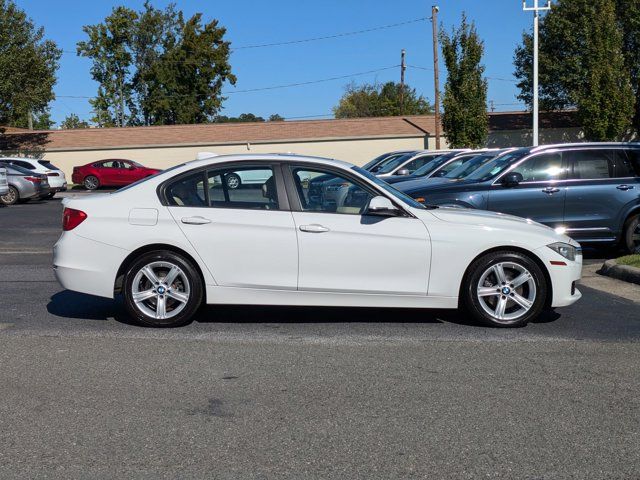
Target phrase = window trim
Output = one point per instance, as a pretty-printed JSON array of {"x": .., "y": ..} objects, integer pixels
[
  {"x": 294, "y": 196},
  {"x": 283, "y": 201}
]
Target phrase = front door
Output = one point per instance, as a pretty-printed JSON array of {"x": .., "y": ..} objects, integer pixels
[
  {"x": 341, "y": 249},
  {"x": 245, "y": 236},
  {"x": 539, "y": 196}
]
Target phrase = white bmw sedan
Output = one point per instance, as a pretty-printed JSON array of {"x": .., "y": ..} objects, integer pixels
[{"x": 182, "y": 238}]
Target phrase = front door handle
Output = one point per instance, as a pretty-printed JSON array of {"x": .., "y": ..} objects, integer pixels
[
  {"x": 313, "y": 228},
  {"x": 625, "y": 187},
  {"x": 195, "y": 220},
  {"x": 551, "y": 190}
]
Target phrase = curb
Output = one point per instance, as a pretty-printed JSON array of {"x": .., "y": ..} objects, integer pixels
[{"x": 621, "y": 272}]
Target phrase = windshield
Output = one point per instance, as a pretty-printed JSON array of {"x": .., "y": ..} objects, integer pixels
[
  {"x": 494, "y": 167},
  {"x": 148, "y": 178},
  {"x": 392, "y": 163},
  {"x": 136, "y": 164},
  {"x": 431, "y": 165},
  {"x": 388, "y": 188},
  {"x": 469, "y": 166},
  {"x": 380, "y": 159}
]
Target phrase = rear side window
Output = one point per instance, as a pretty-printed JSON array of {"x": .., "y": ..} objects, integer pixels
[
  {"x": 187, "y": 191},
  {"x": 545, "y": 167},
  {"x": 593, "y": 164}
]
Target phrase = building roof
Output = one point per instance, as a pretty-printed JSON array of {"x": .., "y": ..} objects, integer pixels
[{"x": 259, "y": 132}]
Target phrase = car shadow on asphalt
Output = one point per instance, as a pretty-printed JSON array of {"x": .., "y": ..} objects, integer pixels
[{"x": 68, "y": 304}]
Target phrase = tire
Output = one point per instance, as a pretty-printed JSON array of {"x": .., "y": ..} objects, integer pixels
[
  {"x": 631, "y": 235},
  {"x": 49, "y": 196},
  {"x": 12, "y": 197},
  {"x": 187, "y": 283},
  {"x": 233, "y": 181},
  {"x": 91, "y": 182},
  {"x": 496, "y": 304}
]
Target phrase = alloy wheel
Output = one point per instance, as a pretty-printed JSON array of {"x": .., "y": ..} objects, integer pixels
[
  {"x": 160, "y": 290},
  {"x": 233, "y": 182},
  {"x": 506, "y": 291},
  {"x": 635, "y": 239},
  {"x": 11, "y": 197},
  {"x": 91, "y": 182}
]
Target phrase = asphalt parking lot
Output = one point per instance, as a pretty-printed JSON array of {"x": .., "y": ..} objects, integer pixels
[{"x": 250, "y": 392}]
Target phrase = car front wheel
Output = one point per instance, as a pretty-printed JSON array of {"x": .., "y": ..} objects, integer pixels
[
  {"x": 91, "y": 182},
  {"x": 233, "y": 181},
  {"x": 504, "y": 289},
  {"x": 162, "y": 289}
]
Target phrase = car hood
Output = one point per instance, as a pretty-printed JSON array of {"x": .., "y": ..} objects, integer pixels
[{"x": 493, "y": 220}]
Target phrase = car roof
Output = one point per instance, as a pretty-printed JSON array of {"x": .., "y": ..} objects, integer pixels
[
  {"x": 583, "y": 145},
  {"x": 269, "y": 157},
  {"x": 25, "y": 159}
]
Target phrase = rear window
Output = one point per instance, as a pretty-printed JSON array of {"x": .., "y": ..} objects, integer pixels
[{"x": 48, "y": 165}]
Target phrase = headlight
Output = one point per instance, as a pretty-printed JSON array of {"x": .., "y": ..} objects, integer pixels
[{"x": 565, "y": 250}]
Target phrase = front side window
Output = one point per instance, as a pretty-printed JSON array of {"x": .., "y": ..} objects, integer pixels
[
  {"x": 23, "y": 164},
  {"x": 545, "y": 167},
  {"x": 328, "y": 192}
]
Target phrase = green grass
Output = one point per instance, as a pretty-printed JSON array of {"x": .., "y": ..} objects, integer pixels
[{"x": 631, "y": 260}]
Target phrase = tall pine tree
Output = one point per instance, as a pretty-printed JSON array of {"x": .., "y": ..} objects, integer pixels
[{"x": 464, "y": 120}]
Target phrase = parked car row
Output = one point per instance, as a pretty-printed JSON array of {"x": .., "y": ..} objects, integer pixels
[
  {"x": 19, "y": 184},
  {"x": 591, "y": 191}
]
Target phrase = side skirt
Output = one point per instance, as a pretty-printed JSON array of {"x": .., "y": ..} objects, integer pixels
[{"x": 258, "y": 296}]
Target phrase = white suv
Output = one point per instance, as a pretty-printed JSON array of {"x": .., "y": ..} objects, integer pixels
[{"x": 56, "y": 177}]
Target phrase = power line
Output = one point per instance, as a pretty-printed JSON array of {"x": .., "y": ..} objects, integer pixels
[
  {"x": 305, "y": 40},
  {"x": 511, "y": 80},
  {"x": 328, "y": 37},
  {"x": 259, "y": 89}
]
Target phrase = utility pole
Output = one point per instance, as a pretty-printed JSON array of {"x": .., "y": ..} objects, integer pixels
[
  {"x": 403, "y": 67},
  {"x": 493, "y": 106},
  {"x": 436, "y": 76},
  {"x": 30, "y": 120},
  {"x": 536, "y": 9}
]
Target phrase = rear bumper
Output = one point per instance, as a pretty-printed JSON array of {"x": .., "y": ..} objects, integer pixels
[{"x": 86, "y": 266}]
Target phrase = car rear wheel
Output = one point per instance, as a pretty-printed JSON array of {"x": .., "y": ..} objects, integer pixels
[
  {"x": 50, "y": 195},
  {"x": 162, "y": 289},
  {"x": 504, "y": 289},
  {"x": 91, "y": 182},
  {"x": 233, "y": 181},
  {"x": 12, "y": 197},
  {"x": 631, "y": 235}
]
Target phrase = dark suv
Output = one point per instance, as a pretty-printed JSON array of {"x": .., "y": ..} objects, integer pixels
[{"x": 592, "y": 190}]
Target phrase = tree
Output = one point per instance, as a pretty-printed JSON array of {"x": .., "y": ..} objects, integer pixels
[
  {"x": 276, "y": 118},
  {"x": 154, "y": 67},
  {"x": 28, "y": 66},
  {"x": 375, "y": 100},
  {"x": 583, "y": 65},
  {"x": 72, "y": 121},
  {"x": 628, "y": 14},
  {"x": 464, "y": 120}
]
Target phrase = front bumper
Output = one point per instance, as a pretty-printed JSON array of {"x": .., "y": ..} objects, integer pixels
[{"x": 564, "y": 275}]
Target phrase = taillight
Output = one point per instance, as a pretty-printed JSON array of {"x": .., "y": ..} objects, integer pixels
[
  {"x": 33, "y": 179},
  {"x": 71, "y": 218},
  {"x": 53, "y": 174}
]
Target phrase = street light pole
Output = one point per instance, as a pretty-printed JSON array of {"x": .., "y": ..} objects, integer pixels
[
  {"x": 536, "y": 9},
  {"x": 436, "y": 77}
]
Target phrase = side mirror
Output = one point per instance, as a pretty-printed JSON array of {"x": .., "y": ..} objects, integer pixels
[
  {"x": 403, "y": 172},
  {"x": 512, "y": 179},
  {"x": 382, "y": 206}
]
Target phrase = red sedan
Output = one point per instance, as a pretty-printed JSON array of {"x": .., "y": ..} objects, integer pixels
[{"x": 110, "y": 173}]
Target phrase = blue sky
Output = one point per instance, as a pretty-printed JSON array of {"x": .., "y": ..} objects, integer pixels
[{"x": 499, "y": 22}]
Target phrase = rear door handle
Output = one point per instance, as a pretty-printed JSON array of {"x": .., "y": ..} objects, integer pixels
[
  {"x": 313, "y": 228},
  {"x": 551, "y": 190},
  {"x": 625, "y": 187},
  {"x": 195, "y": 220}
]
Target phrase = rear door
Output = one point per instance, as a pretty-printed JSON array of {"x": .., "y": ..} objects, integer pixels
[
  {"x": 603, "y": 184},
  {"x": 245, "y": 236},
  {"x": 541, "y": 194}
]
